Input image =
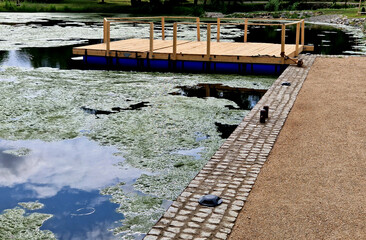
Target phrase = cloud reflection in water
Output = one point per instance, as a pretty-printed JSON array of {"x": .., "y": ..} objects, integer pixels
[{"x": 50, "y": 166}]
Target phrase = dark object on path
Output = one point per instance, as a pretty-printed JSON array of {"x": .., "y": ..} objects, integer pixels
[
  {"x": 286, "y": 84},
  {"x": 363, "y": 11},
  {"x": 262, "y": 117},
  {"x": 210, "y": 200},
  {"x": 266, "y": 108}
]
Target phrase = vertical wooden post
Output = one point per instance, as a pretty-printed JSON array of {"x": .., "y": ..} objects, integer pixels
[
  {"x": 246, "y": 30},
  {"x": 108, "y": 34},
  {"x": 208, "y": 40},
  {"x": 198, "y": 29},
  {"x": 151, "y": 40},
  {"x": 175, "y": 26},
  {"x": 359, "y": 8},
  {"x": 218, "y": 30},
  {"x": 163, "y": 28},
  {"x": 283, "y": 39},
  {"x": 303, "y": 32},
  {"x": 104, "y": 30},
  {"x": 297, "y": 39}
]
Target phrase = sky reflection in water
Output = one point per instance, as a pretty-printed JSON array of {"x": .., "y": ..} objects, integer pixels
[{"x": 66, "y": 178}]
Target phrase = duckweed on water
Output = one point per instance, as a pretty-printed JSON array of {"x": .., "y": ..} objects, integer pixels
[
  {"x": 17, "y": 224},
  {"x": 20, "y": 152},
  {"x": 32, "y": 205},
  {"x": 46, "y": 103}
]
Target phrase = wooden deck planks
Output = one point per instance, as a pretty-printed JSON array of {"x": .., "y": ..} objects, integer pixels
[{"x": 193, "y": 48}]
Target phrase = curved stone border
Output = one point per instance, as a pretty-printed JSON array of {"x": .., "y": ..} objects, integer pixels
[{"x": 232, "y": 171}]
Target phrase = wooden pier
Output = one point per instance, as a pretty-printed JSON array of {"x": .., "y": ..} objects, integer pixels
[{"x": 207, "y": 54}]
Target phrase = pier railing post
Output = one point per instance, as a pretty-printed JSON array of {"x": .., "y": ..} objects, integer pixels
[
  {"x": 163, "y": 28},
  {"x": 104, "y": 30},
  {"x": 208, "y": 40},
  {"x": 246, "y": 30},
  {"x": 175, "y": 26},
  {"x": 283, "y": 39},
  {"x": 297, "y": 39},
  {"x": 108, "y": 35},
  {"x": 218, "y": 30},
  {"x": 151, "y": 40},
  {"x": 198, "y": 29},
  {"x": 303, "y": 32}
]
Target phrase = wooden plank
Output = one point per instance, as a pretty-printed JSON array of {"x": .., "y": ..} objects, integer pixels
[
  {"x": 297, "y": 41},
  {"x": 208, "y": 40},
  {"x": 194, "y": 50},
  {"x": 246, "y": 30},
  {"x": 218, "y": 30}
]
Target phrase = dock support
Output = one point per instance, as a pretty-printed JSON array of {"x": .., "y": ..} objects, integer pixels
[
  {"x": 218, "y": 30},
  {"x": 198, "y": 29},
  {"x": 246, "y": 30},
  {"x": 297, "y": 39},
  {"x": 208, "y": 40},
  {"x": 283, "y": 39},
  {"x": 104, "y": 30},
  {"x": 303, "y": 32},
  {"x": 163, "y": 28},
  {"x": 175, "y": 26},
  {"x": 108, "y": 36},
  {"x": 151, "y": 52}
]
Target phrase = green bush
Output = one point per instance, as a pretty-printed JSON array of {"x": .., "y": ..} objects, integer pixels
[
  {"x": 10, "y": 6},
  {"x": 273, "y": 5}
]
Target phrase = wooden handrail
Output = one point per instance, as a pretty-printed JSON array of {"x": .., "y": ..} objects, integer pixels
[{"x": 300, "y": 31}]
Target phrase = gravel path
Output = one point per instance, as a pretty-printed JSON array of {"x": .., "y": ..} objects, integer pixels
[{"x": 313, "y": 183}]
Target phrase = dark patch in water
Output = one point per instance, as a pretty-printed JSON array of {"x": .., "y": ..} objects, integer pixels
[
  {"x": 137, "y": 106},
  {"x": 245, "y": 98},
  {"x": 325, "y": 39},
  {"x": 54, "y": 57},
  {"x": 225, "y": 130},
  {"x": 50, "y": 23}
]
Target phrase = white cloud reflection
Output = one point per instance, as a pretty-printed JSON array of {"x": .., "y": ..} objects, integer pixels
[{"x": 50, "y": 166}]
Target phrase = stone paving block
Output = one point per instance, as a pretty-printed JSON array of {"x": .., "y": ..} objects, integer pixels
[{"x": 234, "y": 168}]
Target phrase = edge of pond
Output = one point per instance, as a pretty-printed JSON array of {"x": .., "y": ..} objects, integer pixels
[{"x": 233, "y": 169}]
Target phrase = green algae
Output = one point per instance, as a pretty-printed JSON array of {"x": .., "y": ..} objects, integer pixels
[
  {"x": 45, "y": 103},
  {"x": 140, "y": 211},
  {"x": 17, "y": 224},
  {"x": 31, "y": 205},
  {"x": 20, "y": 152}
]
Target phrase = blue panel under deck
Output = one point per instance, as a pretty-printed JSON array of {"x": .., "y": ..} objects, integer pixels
[{"x": 183, "y": 66}]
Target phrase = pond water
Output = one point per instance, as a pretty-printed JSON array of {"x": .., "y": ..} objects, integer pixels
[{"x": 98, "y": 148}]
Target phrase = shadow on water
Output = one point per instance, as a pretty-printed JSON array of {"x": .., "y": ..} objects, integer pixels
[
  {"x": 225, "y": 130},
  {"x": 325, "y": 39},
  {"x": 54, "y": 57},
  {"x": 96, "y": 112},
  {"x": 245, "y": 98}
]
